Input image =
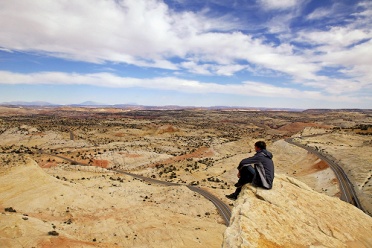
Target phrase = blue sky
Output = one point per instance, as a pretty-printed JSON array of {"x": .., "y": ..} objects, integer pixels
[{"x": 250, "y": 53}]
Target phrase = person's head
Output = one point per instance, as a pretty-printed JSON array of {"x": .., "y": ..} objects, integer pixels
[{"x": 260, "y": 145}]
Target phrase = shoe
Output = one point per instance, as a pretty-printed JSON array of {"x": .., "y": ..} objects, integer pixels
[
  {"x": 238, "y": 185},
  {"x": 232, "y": 196}
]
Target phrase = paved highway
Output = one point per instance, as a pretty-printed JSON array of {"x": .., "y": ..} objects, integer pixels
[
  {"x": 347, "y": 190},
  {"x": 222, "y": 208},
  {"x": 148, "y": 179}
]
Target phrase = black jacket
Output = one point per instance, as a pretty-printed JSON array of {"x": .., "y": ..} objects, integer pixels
[{"x": 264, "y": 168}]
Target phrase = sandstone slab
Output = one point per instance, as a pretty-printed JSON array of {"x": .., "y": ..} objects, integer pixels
[{"x": 293, "y": 215}]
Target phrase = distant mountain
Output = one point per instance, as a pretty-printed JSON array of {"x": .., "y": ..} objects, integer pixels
[
  {"x": 237, "y": 108},
  {"x": 90, "y": 103},
  {"x": 135, "y": 106},
  {"x": 123, "y": 105},
  {"x": 35, "y": 103},
  {"x": 337, "y": 110}
]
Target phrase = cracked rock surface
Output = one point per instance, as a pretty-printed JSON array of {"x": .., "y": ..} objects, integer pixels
[{"x": 293, "y": 215}]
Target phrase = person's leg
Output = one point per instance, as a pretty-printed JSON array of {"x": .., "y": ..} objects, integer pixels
[
  {"x": 246, "y": 175},
  {"x": 237, "y": 191},
  {"x": 234, "y": 195}
]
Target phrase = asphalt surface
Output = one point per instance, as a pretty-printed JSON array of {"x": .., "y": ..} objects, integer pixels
[
  {"x": 222, "y": 208},
  {"x": 347, "y": 190}
]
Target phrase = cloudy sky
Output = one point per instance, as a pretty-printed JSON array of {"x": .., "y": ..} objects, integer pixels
[{"x": 258, "y": 53}]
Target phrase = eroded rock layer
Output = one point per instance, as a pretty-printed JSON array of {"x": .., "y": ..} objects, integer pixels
[{"x": 293, "y": 215}]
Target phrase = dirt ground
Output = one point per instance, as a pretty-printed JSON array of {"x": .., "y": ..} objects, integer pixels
[{"x": 93, "y": 206}]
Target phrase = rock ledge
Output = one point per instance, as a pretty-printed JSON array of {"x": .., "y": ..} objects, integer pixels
[{"x": 293, "y": 215}]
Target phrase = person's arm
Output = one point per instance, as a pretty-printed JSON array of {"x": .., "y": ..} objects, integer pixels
[{"x": 250, "y": 160}]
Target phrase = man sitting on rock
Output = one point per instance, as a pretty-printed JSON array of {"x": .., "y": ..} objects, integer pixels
[{"x": 261, "y": 175}]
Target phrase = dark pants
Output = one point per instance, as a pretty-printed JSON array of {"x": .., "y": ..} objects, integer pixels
[{"x": 246, "y": 176}]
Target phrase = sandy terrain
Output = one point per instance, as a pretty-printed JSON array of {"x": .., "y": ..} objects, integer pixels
[
  {"x": 98, "y": 208},
  {"x": 92, "y": 206},
  {"x": 354, "y": 154},
  {"x": 297, "y": 162}
]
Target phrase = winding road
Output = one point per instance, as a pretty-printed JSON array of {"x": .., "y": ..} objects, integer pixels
[
  {"x": 222, "y": 208},
  {"x": 347, "y": 190}
]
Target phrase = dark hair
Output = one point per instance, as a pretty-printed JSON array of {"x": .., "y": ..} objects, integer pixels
[{"x": 260, "y": 144}]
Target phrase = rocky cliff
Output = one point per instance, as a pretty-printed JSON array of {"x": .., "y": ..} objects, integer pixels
[{"x": 293, "y": 215}]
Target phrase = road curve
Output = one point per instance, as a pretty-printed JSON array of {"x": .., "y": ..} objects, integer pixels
[
  {"x": 148, "y": 179},
  {"x": 222, "y": 208},
  {"x": 347, "y": 190}
]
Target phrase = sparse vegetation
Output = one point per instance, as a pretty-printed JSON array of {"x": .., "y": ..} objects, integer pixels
[
  {"x": 10, "y": 209},
  {"x": 191, "y": 147},
  {"x": 53, "y": 233},
  {"x": 111, "y": 138}
]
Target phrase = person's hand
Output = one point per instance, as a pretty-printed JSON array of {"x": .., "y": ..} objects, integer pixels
[{"x": 238, "y": 175}]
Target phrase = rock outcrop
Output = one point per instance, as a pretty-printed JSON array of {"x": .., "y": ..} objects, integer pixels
[{"x": 293, "y": 215}]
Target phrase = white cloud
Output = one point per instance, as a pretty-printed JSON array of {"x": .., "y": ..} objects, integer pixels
[
  {"x": 278, "y": 4},
  {"x": 228, "y": 70},
  {"x": 193, "y": 67},
  {"x": 147, "y": 33},
  {"x": 225, "y": 49},
  {"x": 247, "y": 88},
  {"x": 337, "y": 37},
  {"x": 91, "y": 31},
  {"x": 210, "y": 69},
  {"x": 367, "y": 9},
  {"x": 348, "y": 51},
  {"x": 345, "y": 49},
  {"x": 97, "y": 31},
  {"x": 143, "y": 33},
  {"x": 319, "y": 14}
]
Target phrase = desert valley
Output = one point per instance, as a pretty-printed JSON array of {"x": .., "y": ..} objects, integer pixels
[{"x": 58, "y": 188}]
